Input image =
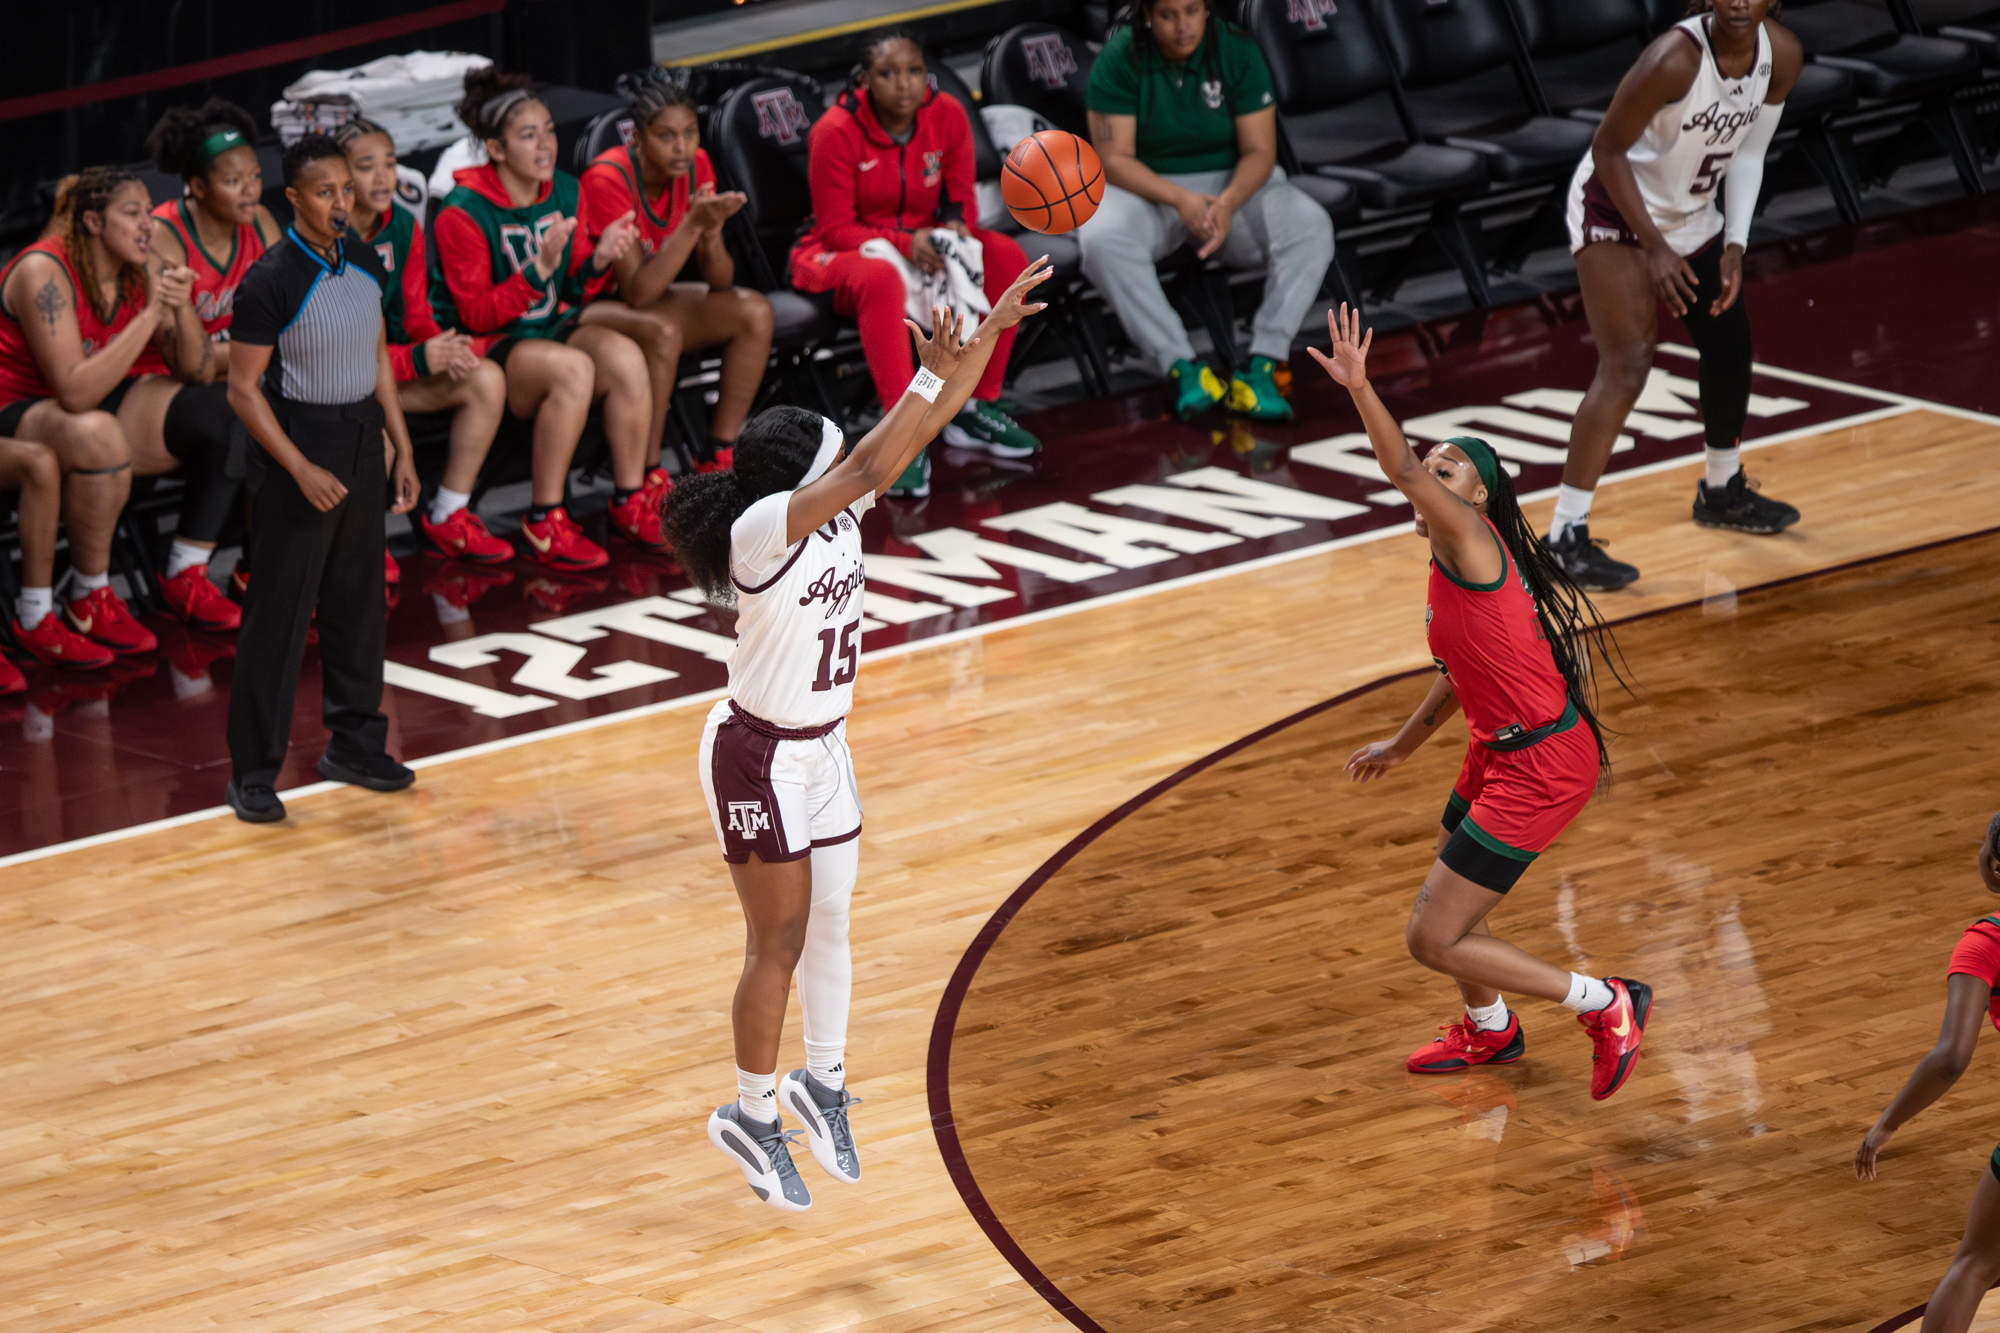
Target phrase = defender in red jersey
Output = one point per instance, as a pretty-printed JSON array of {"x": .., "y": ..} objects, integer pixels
[
  {"x": 1510, "y": 634},
  {"x": 664, "y": 179},
  {"x": 1972, "y": 992}
]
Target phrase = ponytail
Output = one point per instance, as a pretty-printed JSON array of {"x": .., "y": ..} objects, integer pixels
[
  {"x": 774, "y": 451},
  {"x": 91, "y": 191}
]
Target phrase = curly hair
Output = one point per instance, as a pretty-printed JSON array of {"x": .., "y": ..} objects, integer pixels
[
  {"x": 488, "y": 104},
  {"x": 91, "y": 191},
  {"x": 175, "y": 143},
  {"x": 773, "y": 452}
]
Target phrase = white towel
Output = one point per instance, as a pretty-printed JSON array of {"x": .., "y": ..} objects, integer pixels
[{"x": 960, "y": 285}]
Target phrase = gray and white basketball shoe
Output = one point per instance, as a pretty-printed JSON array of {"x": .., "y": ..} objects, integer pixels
[
  {"x": 824, "y": 1113},
  {"x": 763, "y": 1153}
]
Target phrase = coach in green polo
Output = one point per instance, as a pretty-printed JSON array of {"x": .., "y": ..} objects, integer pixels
[{"x": 1181, "y": 113}]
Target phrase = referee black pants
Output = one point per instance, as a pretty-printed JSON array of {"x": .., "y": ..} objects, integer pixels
[{"x": 302, "y": 559}]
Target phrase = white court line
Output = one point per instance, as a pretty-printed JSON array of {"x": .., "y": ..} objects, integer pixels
[
  {"x": 1901, "y": 404},
  {"x": 1852, "y": 390}
]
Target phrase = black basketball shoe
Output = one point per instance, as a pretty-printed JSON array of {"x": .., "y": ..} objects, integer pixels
[
  {"x": 1583, "y": 559},
  {"x": 1740, "y": 508}
]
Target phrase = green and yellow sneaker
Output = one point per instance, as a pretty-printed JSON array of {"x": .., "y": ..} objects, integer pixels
[
  {"x": 1254, "y": 393},
  {"x": 983, "y": 426},
  {"x": 915, "y": 483},
  {"x": 1196, "y": 388}
]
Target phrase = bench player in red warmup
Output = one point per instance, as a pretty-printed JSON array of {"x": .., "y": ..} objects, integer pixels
[{"x": 1511, "y": 636}]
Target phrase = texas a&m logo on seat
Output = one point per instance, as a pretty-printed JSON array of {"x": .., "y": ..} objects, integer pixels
[
  {"x": 748, "y": 818},
  {"x": 780, "y": 116},
  {"x": 1049, "y": 59},
  {"x": 1311, "y": 14}
]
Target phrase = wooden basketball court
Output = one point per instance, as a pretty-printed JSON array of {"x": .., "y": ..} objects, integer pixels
[{"x": 441, "y": 1060}]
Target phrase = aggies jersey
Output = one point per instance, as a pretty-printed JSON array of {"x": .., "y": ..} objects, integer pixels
[
  {"x": 1681, "y": 159},
  {"x": 798, "y": 621}
]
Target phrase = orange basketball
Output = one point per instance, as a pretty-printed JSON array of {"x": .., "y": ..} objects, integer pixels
[{"x": 1052, "y": 182}]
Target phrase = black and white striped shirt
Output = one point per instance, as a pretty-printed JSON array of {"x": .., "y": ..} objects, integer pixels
[{"x": 321, "y": 320}]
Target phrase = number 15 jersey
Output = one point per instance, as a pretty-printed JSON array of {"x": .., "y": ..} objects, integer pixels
[{"x": 798, "y": 618}]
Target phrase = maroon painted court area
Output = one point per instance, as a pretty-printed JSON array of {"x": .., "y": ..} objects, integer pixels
[{"x": 1122, "y": 498}]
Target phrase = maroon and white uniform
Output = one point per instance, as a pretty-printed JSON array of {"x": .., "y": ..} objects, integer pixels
[
  {"x": 1684, "y": 156},
  {"x": 774, "y": 761}
]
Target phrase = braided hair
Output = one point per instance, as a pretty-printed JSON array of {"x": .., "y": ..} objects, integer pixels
[
  {"x": 360, "y": 128},
  {"x": 1569, "y": 620},
  {"x": 772, "y": 454},
  {"x": 1138, "y": 16},
  {"x": 91, "y": 191},
  {"x": 176, "y": 143},
  {"x": 653, "y": 90},
  {"x": 871, "y": 48}
]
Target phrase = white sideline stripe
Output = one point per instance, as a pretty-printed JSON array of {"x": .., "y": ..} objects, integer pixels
[
  {"x": 1852, "y": 390},
  {"x": 1902, "y": 404}
]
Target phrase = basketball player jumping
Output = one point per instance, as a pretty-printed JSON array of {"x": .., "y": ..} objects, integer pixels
[
  {"x": 1511, "y": 636},
  {"x": 780, "y": 535},
  {"x": 1690, "y": 122}
]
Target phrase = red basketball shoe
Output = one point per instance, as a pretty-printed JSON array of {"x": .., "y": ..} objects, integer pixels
[
  {"x": 464, "y": 537},
  {"x": 58, "y": 645},
  {"x": 1615, "y": 1033},
  {"x": 392, "y": 573},
  {"x": 195, "y": 600},
  {"x": 723, "y": 460},
  {"x": 560, "y": 544},
  {"x": 103, "y": 616},
  {"x": 638, "y": 520},
  {"x": 658, "y": 484},
  {"x": 1463, "y": 1046}
]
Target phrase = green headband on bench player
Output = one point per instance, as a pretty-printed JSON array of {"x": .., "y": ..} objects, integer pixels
[
  {"x": 1482, "y": 458},
  {"x": 220, "y": 142}
]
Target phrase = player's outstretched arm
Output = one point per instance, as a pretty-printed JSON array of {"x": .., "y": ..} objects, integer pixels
[
  {"x": 1967, "y": 998},
  {"x": 954, "y": 369},
  {"x": 1376, "y": 759}
]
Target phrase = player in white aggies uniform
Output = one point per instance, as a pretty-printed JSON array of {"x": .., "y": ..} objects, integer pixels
[
  {"x": 1690, "y": 122},
  {"x": 780, "y": 535}
]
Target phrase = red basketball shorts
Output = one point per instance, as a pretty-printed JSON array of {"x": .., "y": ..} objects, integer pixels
[
  {"x": 777, "y": 798},
  {"x": 1508, "y": 807}
]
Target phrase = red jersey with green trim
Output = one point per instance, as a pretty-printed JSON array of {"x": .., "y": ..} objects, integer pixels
[
  {"x": 20, "y": 374},
  {"x": 612, "y": 184},
  {"x": 1978, "y": 955},
  {"x": 398, "y": 240},
  {"x": 216, "y": 277},
  {"x": 482, "y": 269},
  {"x": 1486, "y": 639}
]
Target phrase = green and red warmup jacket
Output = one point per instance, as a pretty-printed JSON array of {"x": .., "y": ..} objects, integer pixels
[{"x": 482, "y": 268}]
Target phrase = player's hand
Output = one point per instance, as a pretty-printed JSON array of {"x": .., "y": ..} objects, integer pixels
[
  {"x": 1732, "y": 280},
  {"x": 1673, "y": 278},
  {"x": 1193, "y": 209},
  {"x": 321, "y": 488},
  {"x": 1219, "y": 216},
  {"x": 1374, "y": 761},
  {"x": 615, "y": 240},
  {"x": 1348, "y": 364},
  {"x": 1013, "y": 305},
  {"x": 403, "y": 479},
  {"x": 451, "y": 354},
  {"x": 554, "y": 241},
  {"x": 1864, "y": 1157},
  {"x": 707, "y": 211},
  {"x": 923, "y": 254},
  {"x": 942, "y": 351},
  {"x": 172, "y": 287}
]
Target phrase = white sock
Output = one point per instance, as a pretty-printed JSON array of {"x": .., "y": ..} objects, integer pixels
[
  {"x": 33, "y": 604},
  {"x": 1587, "y": 994},
  {"x": 757, "y": 1095},
  {"x": 183, "y": 555},
  {"x": 823, "y": 1062},
  {"x": 1572, "y": 510},
  {"x": 82, "y": 585},
  {"x": 1722, "y": 465},
  {"x": 1493, "y": 1018},
  {"x": 447, "y": 502}
]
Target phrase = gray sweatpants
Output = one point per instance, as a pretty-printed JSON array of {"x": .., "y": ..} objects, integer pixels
[{"x": 1279, "y": 228}]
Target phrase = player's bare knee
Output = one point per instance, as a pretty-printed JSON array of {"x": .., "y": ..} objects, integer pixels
[
  {"x": 1426, "y": 944},
  {"x": 40, "y": 469},
  {"x": 487, "y": 385},
  {"x": 93, "y": 442},
  {"x": 752, "y": 310}
]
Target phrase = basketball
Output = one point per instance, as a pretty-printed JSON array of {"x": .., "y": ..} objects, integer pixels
[{"x": 1052, "y": 182}]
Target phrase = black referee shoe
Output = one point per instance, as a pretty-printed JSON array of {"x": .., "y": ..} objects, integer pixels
[
  {"x": 1583, "y": 559},
  {"x": 254, "y": 804},
  {"x": 1737, "y": 507},
  {"x": 376, "y": 772}
]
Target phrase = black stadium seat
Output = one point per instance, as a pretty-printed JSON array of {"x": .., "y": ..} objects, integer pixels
[
  {"x": 607, "y": 130},
  {"x": 1041, "y": 67},
  {"x": 1580, "y": 49},
  {"x": 1338, "y": 105},
  {"x": 1974, "y": 22}
]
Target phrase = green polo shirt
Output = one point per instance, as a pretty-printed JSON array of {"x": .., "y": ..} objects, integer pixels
[{"x": 1187, "y": 113}]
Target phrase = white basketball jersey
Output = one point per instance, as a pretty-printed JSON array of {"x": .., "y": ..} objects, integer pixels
[
  {"x": 1681, "y": 159},
  {"x": 798, "y": 618}
]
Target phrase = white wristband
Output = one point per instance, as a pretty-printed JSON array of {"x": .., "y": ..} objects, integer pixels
[{"x": 926, "y": 384}]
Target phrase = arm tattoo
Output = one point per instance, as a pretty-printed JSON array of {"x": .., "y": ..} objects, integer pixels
[
  {"x": 1431, "y": 718},
  {"x": 49, "y": 302}
]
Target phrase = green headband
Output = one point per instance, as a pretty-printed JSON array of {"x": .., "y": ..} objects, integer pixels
[
  {"x": 1482, "y": 458},
  {"x": 220, "y": 142}
]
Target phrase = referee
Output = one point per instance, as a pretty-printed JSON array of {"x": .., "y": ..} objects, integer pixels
[{"x": 310, "y": 376}]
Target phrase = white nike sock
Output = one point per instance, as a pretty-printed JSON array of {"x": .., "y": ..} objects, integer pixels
[
  {"x": 183, "y": 555},
  {"x": 1572, "y": 510},
  {"x": 447, "y": 502},
  {"x": 1721, "y": 466},
  {"x": 33, "y": 604},
  {"x": 1492, "y": 1018},
  {"x": 81, "y": 585},
  {"x": 757, "y": 1095},
  {"x": 1587, "y": 994}
]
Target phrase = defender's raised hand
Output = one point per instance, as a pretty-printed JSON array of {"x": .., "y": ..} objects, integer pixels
[{"x": 1348, "y": 363}]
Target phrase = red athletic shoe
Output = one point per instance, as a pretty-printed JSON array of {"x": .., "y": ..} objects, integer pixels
[
  {"x": 658, "y": 482},
  {"x": 11, "y": 679},
  {"x": 195, "y": 600},
  {"x": 464, "y": 537},
  {"x": 58, "y": 645},
  {"x": 558, "y": 543},
  {"x": 724, "y": 460},
  {"x": 104, "y": 618},
  {"x": 1462, "y": 1046},
  {"x": 1615, "y": 1033},
  {"x": 638, "y": 520},
  {"x": 392, "y": 573}
]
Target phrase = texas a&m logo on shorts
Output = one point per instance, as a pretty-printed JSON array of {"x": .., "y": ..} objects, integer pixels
[
  {"x": 1311, "y": 14},
  {"x": 748, "y": 818},
  {"x": 1049, "y": 59},
  {"x": 780, "y": 116}
]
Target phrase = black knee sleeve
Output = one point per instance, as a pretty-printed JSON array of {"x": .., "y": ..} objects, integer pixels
[
  {"x": 203, "y": 432},
  {"x": 1724, "y": 343}
]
